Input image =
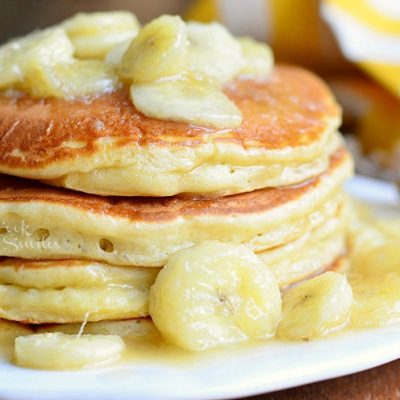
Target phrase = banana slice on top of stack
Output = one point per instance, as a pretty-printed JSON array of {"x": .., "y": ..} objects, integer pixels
[
  {"x": 177, "y": 70},
  {"x": 165, "y": 181}
]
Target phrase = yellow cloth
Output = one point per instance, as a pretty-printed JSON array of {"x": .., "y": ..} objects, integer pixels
[{"x": 368, "y": 32}]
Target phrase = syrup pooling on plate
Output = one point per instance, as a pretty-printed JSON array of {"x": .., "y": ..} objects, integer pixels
[{"x": 375, "y": 274}]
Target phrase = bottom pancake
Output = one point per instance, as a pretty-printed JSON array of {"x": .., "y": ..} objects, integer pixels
[
  {"x": 72, "y": 291},
  {"x": 70, "y": 305}
]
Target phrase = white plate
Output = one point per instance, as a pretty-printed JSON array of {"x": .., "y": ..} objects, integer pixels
[{"x": 227, "y": 374}]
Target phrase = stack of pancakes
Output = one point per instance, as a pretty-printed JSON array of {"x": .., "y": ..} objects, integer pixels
[{"x": 95, "y": 197}]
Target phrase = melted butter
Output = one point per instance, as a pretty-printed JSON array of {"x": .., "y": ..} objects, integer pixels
[{"x": 157, "y": 351}]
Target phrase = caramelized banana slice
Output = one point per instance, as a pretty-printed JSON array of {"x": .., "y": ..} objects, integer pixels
[
  {"x": 115, "y": 55},
  {"x": 159, "y": 50},
  {"x": 59, "y": 351},
  {"x": 24, "y": 56},
  {"x": 258, "y": 57},
  {"x": 213, "y": 53},
  {"x": 94, "y": 34},
  {"x": 42, "y": 65},
  {"x": 195, "y": 102},
  {"x": 10, "y": 71},
  {"x": 76, "y": 79},
  {"x": 316, "y": 307},
  {"x": 214, "y": 294}
]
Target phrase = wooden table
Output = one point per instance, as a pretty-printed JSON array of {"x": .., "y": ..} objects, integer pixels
[{"x": 381, "y": 383}]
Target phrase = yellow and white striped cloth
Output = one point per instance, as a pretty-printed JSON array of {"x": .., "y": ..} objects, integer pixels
[{"x": 368, "y": 31}]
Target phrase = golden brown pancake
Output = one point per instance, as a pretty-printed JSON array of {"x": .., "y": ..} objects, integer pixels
[
  {"x": 72, "y": 291},
  {"x": 105, "y": 146},
  {"x": 67, "y": 291},
  {"x": 72, "y": 273},
  {"x": 40, "y": 222}
]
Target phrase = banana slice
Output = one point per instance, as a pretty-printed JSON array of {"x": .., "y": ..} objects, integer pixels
[
  {"x": 258, "y": 57},
  {"x": 194, "y": 102},
  {"x": 76, "y": 79},
  {"x": 376, "y": 299},
  {"x": 42, "y": 64},
  {"x": 23, "y": 56},
  {"x": 50, "y": 70},
  {"x": 10, "y": 71},
  {"x": 94, "y": 34},
  {"x": 159, "y": 50},
  {"x": 213, "y": 53},
  {"x": 59, "y": 351},
  {"x": 214, "y": 294},
  {"x": 316, "y": 307}
]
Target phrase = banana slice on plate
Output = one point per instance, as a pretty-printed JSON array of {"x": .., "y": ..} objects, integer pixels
[
  {"x": 94, "y": 34},
  {"x": 376, "y": 299},
  {"x": 191, "y": 101},
  {"x": 258, "y": 57},
  {"x": 316, "y": 307},
  {"x": 59, "y": 351},
  {"x": 214, "y": 294},
  {"x": 213, "y": 53},
  {"x": 159, "y": 50}
]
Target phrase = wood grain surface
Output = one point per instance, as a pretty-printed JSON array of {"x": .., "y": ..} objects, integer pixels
[{"x": 381, "y": 383}]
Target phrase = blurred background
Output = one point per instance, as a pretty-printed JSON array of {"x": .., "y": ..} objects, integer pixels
[{"x": 354, "y": 45}]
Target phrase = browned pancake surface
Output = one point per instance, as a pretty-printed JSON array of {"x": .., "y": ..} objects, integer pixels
[
  {"x": 161, "y": 209},
  {"x": 291, "y": 108}
]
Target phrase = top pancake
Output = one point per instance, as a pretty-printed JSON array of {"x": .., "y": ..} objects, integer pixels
[{"x": 104, "y": 146}]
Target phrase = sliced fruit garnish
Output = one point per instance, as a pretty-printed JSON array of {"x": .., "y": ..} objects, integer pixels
[
  {"x": 316, "y": 307},
  {"x": 191, "y": 101},
  {"x": 60, "y": 351},
  {"x": 214, "y": 294},
  {"x": 159, "y": 50}
]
